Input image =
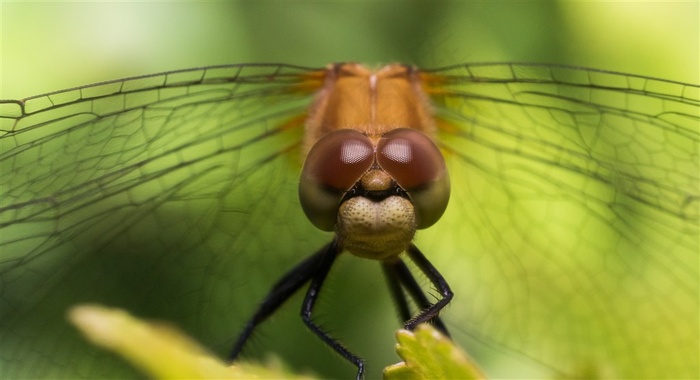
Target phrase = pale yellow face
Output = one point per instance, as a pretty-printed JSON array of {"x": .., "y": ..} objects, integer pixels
[{"x": 376, "y": 229}]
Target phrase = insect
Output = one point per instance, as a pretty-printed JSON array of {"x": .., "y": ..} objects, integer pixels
[
  {"x": 373, "y": 176},
  {"x": 570, "y": 234}
]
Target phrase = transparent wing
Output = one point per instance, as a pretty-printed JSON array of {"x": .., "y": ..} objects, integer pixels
[
  {"x": 574, "y": 217},
  {"x": 571, "y": 238},
  {"x": 143, "y": 193}
]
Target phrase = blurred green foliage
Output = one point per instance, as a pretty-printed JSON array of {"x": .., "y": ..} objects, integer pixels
[{"x": 50, "y": 46}]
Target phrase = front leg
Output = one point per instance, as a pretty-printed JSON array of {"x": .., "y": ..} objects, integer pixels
[
  {"x": 431, "y": 312},
  {"x": 309, "y": 301}
]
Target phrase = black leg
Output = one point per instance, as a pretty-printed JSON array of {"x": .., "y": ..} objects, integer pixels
[
  {"x": 398, "y": 274},
  {"x": 307, "y": 307},
  {"x": 280, "y": 292},
  {"x": 392, "y": 278},
  {"x": 431, "y": 312}
]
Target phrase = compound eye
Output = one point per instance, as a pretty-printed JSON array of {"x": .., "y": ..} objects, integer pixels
[
  {"x": 416, "y": 164},
  {"x": 333, "y": 165}
]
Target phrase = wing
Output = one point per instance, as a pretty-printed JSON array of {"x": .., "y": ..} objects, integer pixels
[
  {"x": 576, "y": 198},
  {"x": 570, "y": 240},
  {"x": 142, "y": 193}
]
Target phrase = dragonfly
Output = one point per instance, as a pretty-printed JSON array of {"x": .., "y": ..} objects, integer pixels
[{"x": 570, "y": 237}]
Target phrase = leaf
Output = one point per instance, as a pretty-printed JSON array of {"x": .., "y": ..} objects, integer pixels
[
  {"x": 427, "y": 354},
  {"x": 162, "y": 352},
  {"x": 159, "y": 349}
]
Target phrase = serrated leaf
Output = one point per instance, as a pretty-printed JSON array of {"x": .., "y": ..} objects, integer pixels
[
  {"x": 427, "y": 354},
  {"x": 158, "y": 349}
]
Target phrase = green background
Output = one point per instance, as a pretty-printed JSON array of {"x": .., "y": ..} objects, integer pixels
[{"x": 50, "y": 46}]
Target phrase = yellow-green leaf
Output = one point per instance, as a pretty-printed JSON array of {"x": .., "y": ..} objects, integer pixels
[
  {"x": 427, "y": 354},
  {"x": 158, "y": 349},
  {"x": 162, "y": 351}
]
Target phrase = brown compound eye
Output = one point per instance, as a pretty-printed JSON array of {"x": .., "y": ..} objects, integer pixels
[
  {"x": 331, "y": 168},
  {"x": 416, "y": 164}
]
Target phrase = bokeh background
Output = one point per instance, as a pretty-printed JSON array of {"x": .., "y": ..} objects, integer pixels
[
  {"x": 51, "y": 46},
  {"x": 54, "y": 45}
]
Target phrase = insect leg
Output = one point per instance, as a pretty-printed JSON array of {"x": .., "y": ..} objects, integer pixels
[
  {"x": 329, "y": 256},
  {"x": 280, "y": 292},
  {"x": 397, "y": 294},
  {"x": 398, "y": 275},
  {"x": 438, "y": 281}
]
